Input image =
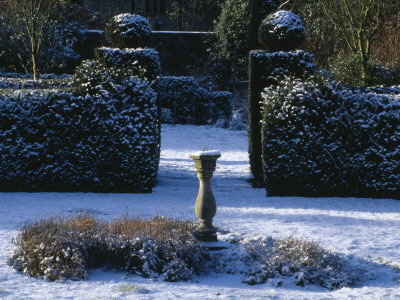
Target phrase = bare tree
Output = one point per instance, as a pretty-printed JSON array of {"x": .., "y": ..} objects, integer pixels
[
  {"x": 32, "y": 18},
  {"x": 358, "y": 22}
]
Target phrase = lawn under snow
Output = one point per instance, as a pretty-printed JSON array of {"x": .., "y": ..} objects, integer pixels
[{"x": 367, "y": 228}]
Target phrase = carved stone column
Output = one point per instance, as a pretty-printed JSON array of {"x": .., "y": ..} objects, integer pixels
[{"x": 206, "y": 207}]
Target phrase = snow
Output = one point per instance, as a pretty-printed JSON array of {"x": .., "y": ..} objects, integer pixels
[
  {"x": 367, "y": 228},
  {"x": 207, "y": 153},
  {"x": 286, "y": 20}
]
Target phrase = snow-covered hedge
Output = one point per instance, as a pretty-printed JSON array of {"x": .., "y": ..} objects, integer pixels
[
  {"x": 263, "y": 67},
  {"x": 144, "y": 62},
  {"x": 183, "y": 101},
  {"x": 128, "y": 31},
  {"x": 321, "y": 139},
  {"x": 105, "y": 142}
]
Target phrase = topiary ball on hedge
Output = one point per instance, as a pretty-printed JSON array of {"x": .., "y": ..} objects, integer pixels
[
  {"x": 281, "y": 31},
  {"x": 128, "y": 31}
]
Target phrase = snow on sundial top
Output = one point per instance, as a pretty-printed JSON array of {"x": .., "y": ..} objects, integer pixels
[{"x": 206, "y": 153}]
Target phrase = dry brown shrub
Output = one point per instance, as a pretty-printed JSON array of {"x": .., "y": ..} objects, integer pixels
[{"x": 65, "y": 247}]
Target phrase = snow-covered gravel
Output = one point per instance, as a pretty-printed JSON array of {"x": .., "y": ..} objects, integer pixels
[{"x": 367, "y": 228}]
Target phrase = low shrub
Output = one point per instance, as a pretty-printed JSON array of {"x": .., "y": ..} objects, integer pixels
[
  {"x": 128, "y": 31},
  {"x": 66, "y": 248},
  {"x": 164, "y": 248},
  {"x": 322, "y": 139},
  {"x": 106, "y": 141},
  {"x": 302, "y": 261},
  {"x": 183, "y": 101}
]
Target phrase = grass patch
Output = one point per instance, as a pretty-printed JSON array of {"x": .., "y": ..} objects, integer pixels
[
  {"x": 66, "y": 248},
  {"x": 132, "y": 289}
]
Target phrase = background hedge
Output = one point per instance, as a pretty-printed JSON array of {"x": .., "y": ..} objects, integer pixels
[{"x": 183, "y": 101}]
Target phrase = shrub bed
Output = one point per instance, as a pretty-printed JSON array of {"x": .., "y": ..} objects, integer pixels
[
  {"x": 321, "y": 139},
  {"x": 163, "y": 248},
  {"x": 105, "y": 142},
  {"x": 184, "y": 102},
  {"x": 65, "y": 248}
]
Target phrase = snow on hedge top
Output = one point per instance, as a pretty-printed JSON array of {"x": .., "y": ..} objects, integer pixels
[
  {"x": 282, "y": 30},
  {"x": 287, "y": 21},
  {"x": 128, "y": 31},
  {"x": 129, "y": 23}
]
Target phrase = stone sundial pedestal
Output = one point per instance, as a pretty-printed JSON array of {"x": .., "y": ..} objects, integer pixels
[{"x": 206, "y": 207}]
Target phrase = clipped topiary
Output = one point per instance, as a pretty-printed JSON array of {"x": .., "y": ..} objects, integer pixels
[
  {"x": 128, "y": 31},
  {"x": 281, "y": 31},
  {"x": 263, "y": 67},
  {"x": 144, "y": 63}
]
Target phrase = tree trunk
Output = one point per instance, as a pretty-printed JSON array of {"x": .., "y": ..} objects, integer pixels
[
  {"x": 35, "y": 69},
  {"x": 364, "y": 67}
]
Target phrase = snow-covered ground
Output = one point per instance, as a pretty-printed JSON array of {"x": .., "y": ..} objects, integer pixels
[{"x": 367, "y": 228}]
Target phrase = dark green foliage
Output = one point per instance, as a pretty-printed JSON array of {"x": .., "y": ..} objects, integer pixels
[
  {"x": 236, "y": 31},
  {"x": 88, "y": 41},
  {"x": 281, "y": 31},
  {"x": 259, "y": 10},
  {"x": 320, "y": 139},
  {"x": 231, "y": 30},
  {"x": 347, "y": 70},
  {"x": 220, "y": 105},
  {"x": 144, "y": 63},
  {"x": 263, "y": 66},
  {"x": 105, "y": 142},
  {"x": 128, "y": 31},
  {"x": 188, "y": 103}
]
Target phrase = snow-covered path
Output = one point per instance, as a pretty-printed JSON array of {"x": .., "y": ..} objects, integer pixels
[{"x": 363, "y": 227}]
